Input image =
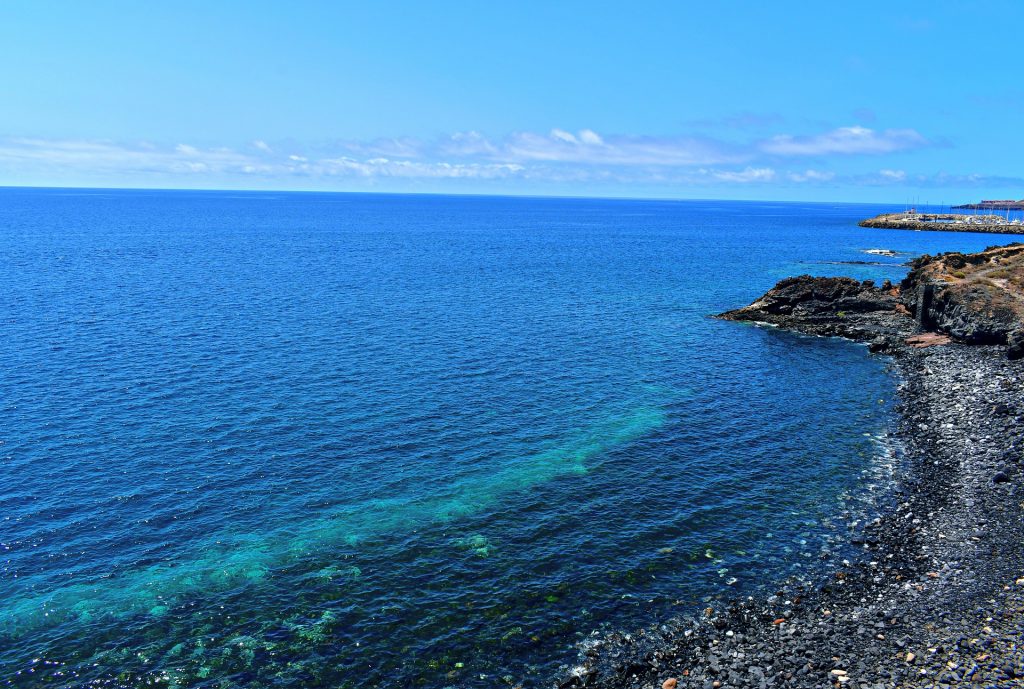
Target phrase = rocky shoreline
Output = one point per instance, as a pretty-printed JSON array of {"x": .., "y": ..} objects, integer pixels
[{"x": 935, "y": 596}]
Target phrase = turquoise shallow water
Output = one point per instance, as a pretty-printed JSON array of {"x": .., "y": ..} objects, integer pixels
[{"x": 336, "y": 440}]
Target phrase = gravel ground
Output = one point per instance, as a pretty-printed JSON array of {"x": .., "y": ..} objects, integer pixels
[{"x": 935, "y": 595}]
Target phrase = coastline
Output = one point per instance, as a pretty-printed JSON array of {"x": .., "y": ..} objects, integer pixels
[{"x": 935, "y": 595}]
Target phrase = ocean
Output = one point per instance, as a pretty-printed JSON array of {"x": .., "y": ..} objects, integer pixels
[{"x": 354, "y": 440}]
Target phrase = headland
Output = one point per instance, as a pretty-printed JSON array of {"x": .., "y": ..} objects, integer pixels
[
  {"x": 995, "y": 205},
  {"x": 933, "y": 594}
]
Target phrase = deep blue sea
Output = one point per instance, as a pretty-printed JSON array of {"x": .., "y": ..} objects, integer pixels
[{"x": 356, "y": 440}]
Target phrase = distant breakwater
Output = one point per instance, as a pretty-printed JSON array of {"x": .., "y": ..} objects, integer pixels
[{"x": 944, "y": 222}]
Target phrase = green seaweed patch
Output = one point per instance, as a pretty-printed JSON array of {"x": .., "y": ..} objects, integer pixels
[
  {"x": 334, "y": 573},
  {"x": 511, "y": 632},
  {"x": 315, "y": 632},
  {"x": 477, "y": 544}
]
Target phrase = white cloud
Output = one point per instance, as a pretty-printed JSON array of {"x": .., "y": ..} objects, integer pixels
[
  {"x": 845, "y": 141},
  {"x": 33, "y": 155},
  {"x": 468, "y": 144},
  {"x": 940, "y": 180},
  {"x": 587, "y": 147},
  {"x": 558, "y": 156},
  {"x": 383, "y": 167},
  {"x": 745, "y": 176},
  {"x": 391, "y": 147},
  {"x": 811, "y": 176},
  {"x": 107, "y": 157},
  {"x": 592, "y": 149},
  {"x": 564, "y": 136}
]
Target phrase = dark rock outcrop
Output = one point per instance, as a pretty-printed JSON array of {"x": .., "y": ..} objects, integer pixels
[
  {"x": 831, "y": 306},
  {"x": 973, "y": 298},
  {"x": 1015, "y": 345}
]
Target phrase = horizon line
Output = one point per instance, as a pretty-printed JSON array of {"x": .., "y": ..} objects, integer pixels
[{"x": 4, "y": 187}]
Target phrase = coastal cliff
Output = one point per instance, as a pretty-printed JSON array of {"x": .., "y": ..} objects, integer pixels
[
  {"x": 972, "y": 298},
  {"x": 976, "y": 298}
]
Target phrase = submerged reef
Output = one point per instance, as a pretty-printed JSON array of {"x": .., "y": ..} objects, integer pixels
[{"x": 933, "y": 594}]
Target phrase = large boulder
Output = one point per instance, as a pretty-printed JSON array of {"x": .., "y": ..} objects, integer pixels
[{"x": 1015, "y": 345}]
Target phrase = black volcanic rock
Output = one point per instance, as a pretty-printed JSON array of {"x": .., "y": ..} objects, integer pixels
[
  {"x": 973, "y": 298},
  {"x": 1015, "y": 345},
  {"x": 830, "y": 306}
]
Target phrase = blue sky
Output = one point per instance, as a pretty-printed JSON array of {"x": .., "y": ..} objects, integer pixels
[{"x": 872, "y": 101}]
